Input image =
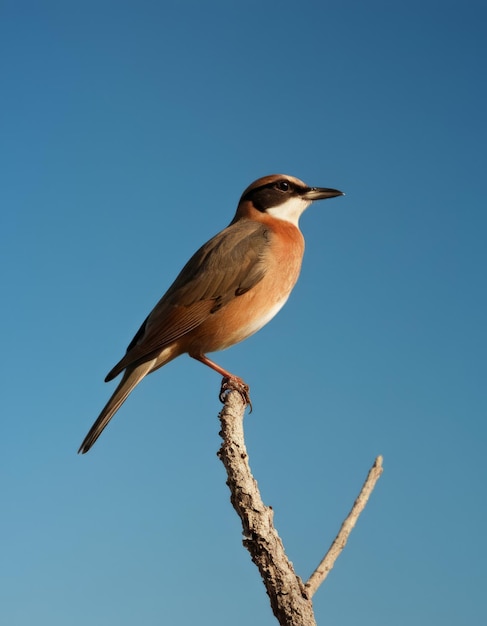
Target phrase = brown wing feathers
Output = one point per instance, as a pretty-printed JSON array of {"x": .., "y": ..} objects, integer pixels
[{"x": 227, "y": 266}]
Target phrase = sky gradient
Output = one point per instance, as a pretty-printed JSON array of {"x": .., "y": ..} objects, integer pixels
[{"x": 129, "y": 131}]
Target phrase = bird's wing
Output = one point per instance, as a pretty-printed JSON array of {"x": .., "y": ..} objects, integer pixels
[{"x": 224, "y": 268}]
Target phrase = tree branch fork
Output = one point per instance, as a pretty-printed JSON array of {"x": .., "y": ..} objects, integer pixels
[{"x": 291, "y": 599}]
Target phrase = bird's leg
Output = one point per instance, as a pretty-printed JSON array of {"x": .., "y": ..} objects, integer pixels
[{"x": 229, "y": 382}]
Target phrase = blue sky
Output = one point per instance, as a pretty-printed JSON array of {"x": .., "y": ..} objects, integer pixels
[{"x": 129, "y": 130}]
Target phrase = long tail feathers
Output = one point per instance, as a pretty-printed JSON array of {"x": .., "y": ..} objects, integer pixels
[{"x": 131, "y": 378}]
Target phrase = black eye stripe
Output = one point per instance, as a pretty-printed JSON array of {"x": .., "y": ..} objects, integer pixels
[
  {"x": 271, "y": 194},
  {"x": 282, "y": 185}
]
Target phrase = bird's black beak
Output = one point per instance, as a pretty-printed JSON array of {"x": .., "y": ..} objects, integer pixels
[{"x": 321, "y": 193}]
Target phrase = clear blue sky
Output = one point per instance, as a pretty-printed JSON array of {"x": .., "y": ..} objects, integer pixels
[{"x": 128, "y": 132}]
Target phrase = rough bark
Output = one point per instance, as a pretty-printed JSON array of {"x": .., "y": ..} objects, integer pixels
[{"x": 290, "y": 598}]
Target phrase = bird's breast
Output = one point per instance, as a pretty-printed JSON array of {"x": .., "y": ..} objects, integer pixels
[{"x": 245, "y": 314}]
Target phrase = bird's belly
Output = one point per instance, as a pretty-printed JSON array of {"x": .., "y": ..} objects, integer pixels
[
  {"x": 245, "y": 314},
  {"x": 246, "y": 325},
  {"x": 234, "y": 323}
]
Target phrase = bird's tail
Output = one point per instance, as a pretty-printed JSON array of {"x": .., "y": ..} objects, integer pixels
[{"x": 132, "y": 377}]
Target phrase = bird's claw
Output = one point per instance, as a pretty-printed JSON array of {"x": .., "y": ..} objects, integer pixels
[{"x": 233, "y": 383}]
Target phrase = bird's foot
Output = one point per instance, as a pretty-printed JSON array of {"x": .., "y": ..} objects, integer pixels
[{"x": 234, "y": 383}]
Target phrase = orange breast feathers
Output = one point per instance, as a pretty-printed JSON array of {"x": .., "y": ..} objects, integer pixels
[{"x": 245, "y": 314}]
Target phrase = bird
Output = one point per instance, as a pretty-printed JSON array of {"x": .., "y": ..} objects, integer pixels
[{"x": 228, "y": 290}]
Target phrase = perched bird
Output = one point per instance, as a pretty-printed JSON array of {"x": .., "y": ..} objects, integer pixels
[{"x": 229, "y": 289}]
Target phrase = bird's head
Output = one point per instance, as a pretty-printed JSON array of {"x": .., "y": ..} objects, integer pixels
[{"x": 281, "y": 196}]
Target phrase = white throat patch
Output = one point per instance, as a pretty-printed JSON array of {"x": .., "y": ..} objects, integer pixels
[{"x": 290, "y": 211}]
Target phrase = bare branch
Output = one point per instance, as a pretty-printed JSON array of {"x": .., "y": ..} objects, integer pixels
[
  {"x": 289, "y": 599},
  {"x": 326, "y": 565}
]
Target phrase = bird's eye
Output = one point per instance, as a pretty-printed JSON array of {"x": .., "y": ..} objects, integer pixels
[{"x": 282, "y": 185}]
